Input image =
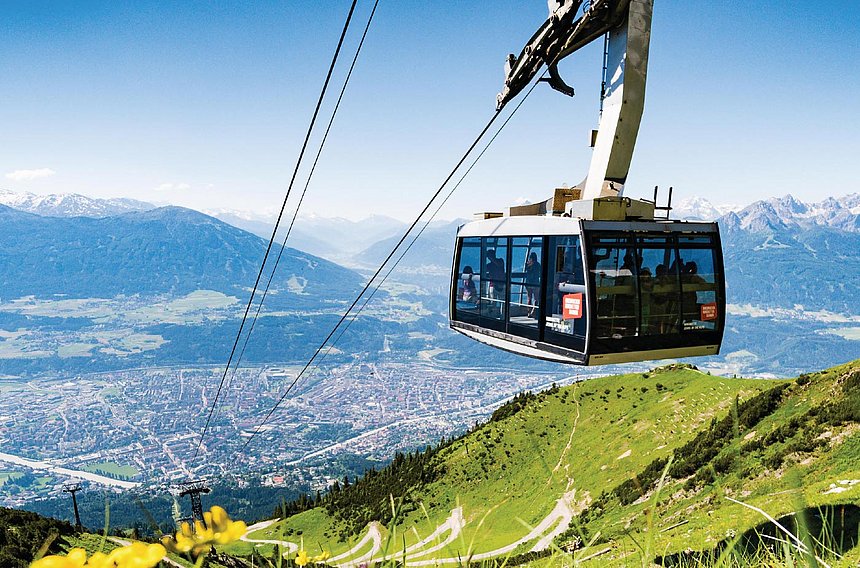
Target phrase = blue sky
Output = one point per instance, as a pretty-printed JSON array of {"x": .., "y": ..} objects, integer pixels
[{"x": 205, "y": 104}]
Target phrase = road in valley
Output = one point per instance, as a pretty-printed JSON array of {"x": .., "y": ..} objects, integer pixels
[{"x": 48, "y": 466}]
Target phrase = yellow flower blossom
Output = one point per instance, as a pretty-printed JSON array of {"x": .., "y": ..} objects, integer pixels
[
  {"x": 135, "y": 555},
  {"x": 76, "y": 558},
  {"x": 303, "y": 559},
  {"x": 218, "y": 529}
]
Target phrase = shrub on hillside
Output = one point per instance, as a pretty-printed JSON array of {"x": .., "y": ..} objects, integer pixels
[
  {"x": 22, "y": 534},
  {"x": 513, "y": 406},
  {"x": 708, "y": 443}
]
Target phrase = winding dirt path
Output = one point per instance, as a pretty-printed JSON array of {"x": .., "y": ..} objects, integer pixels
[
  {"x": 374, "y": 535},
  {"x": 551, "y": 526},
  {"x": 559, "y": 517},
  {"x": 453, "y": 525},
  {"x": 290, "y": 546}
]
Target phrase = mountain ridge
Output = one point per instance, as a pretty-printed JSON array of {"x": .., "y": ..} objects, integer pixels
[
  {"x": 70, "y": 204},
  {"x": 164, "y": 250},
  {"x": 788, "y": 213}
]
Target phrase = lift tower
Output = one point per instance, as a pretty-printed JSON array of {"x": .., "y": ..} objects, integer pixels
[
  {"x": 74, "y": 488},
  {"x": 193, "y": 489}
]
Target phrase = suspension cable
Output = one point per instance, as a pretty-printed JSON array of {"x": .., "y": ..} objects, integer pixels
[
  {"x": 372, "y": 278},
  {"x": 301, "y": 198},
  {"x": 277, "y": 224},
  {"x": 418, "y": 235}
]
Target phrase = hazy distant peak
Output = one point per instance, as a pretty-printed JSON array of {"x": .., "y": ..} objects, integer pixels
[
  {"x": 70, "y": 204},
  {"x": 700, "y": 208},
  {"x": 169, "y": 211}
]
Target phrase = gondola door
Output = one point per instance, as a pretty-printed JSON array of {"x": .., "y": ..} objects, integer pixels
[
  {"x": 525, "y": 289},
  {"x": 494, "y": 283}
]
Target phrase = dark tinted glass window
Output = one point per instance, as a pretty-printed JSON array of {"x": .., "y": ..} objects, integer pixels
[
  {"x": 494, "y": 277},
  {"x": 613, "y": 273},
  {"x": 698, "y": 288},
  {"x": 468, "y": 278},
  {"x": 565, "y": 287},
  {"x": 659, "y": 288},
  {"x": 526, "y": 278}
]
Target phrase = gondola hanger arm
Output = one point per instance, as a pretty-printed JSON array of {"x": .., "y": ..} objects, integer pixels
[{"x": 628, "y": 25}]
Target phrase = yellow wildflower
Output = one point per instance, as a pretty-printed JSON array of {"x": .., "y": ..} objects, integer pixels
[
  {"x": 135, "y": 555},
  {"x": 76, "y": 558},
  {"x": 302, "y": 558},
  {"x": 218, "y": 529}
]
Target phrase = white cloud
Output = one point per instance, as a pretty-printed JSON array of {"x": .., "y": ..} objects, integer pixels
[
  {"x": 522, "y": 201},
  {"x": 30, "y": 175},
  {"x": 173, "y": 187}
]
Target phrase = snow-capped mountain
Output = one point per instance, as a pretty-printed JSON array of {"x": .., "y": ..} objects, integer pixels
[
  {"x": 70, "y": 204},
  {"x": 700, "y": 209},
  {"x": 788, "y": 213}
]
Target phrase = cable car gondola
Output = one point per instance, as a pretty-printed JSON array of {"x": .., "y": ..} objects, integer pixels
[{"x": 591, "y": 277}]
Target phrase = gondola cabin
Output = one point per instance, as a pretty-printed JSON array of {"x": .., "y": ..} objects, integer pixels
[
  {"x": 591, "y": 277},
  {"x": 590, "y": 292}
]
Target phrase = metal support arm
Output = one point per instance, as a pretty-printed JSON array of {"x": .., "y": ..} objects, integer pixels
[
  {"x": 628, "y": 23},
  {"x": 627, "y": 68}
]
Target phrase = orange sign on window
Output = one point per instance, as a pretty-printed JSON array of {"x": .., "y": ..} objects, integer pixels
[
  {"x": 708, "y": 312},
  {"x": 571, "y": 306}
]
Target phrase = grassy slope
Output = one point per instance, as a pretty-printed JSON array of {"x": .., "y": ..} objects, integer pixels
[
  {"x": 798, "y": 482},
  {"x": 575, "y": 439},
  {"x": 586, "y": 439}
]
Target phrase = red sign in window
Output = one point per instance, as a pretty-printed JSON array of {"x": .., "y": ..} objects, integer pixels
[
  {"x": 708, "y": 312},
  {"x": 571, "y": 306}
]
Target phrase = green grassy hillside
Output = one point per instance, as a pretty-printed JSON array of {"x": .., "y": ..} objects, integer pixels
[{"x": 581, "y": 464}]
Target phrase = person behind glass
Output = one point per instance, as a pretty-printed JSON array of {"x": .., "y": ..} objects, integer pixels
[
  {"x": 466, "y": 292},
  {"x": 532, "y": 281},
  {"x": 495, "y": 270},
  {"x": 690, "y": 278}
]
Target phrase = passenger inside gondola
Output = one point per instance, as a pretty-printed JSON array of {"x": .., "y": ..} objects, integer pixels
[
  {"x": 532, "y": 279},
  {"x": 524, "y": 285},
  {"x": 467, "y": 280},
  {"x": 495, "y": 270},
  {"x": 467, "y": 292},
  {"x": 493, "y": 283}
]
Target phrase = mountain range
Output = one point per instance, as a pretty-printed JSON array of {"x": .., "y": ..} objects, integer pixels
[
  {"x": 334, "y": 238},
  {"x": 70, "y": 204},
  {"x": 169, "y": 250},
  {"x": 700, "y": 209},
  {"x": 787, "y": 213},
  {"x": 785, "y": 253},
  {"x": 164, "y": 286},
  {"x": 788, "y": 266}
]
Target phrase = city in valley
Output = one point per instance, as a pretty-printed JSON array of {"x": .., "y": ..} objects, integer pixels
[{"x": 140, "y": 427}]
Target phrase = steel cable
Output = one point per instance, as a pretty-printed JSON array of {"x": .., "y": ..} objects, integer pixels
[
  {"x": 277, "y": 224},
  {"x": 372, "y": 278},
  {"x": 301, "y": 198},
  {"x": 426, "y": 224}
]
